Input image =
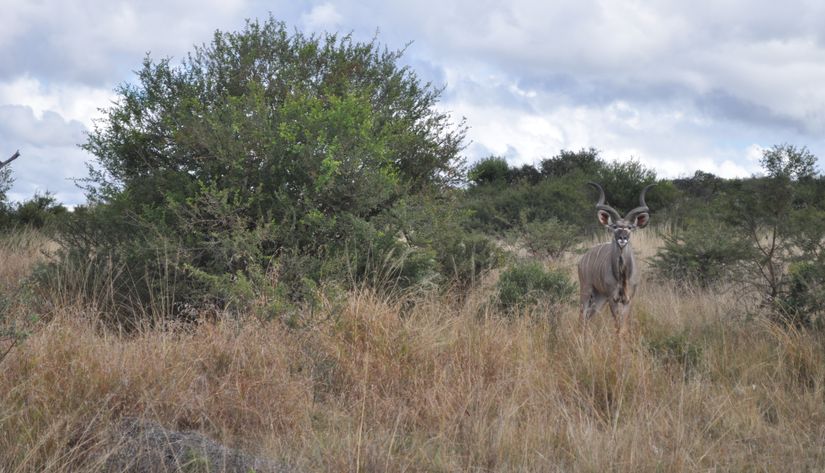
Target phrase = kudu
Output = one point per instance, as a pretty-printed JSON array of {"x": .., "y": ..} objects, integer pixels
[{"x": 608, "y": 272}]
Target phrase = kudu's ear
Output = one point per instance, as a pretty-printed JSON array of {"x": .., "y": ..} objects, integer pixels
[
  {"x": 604, "y": 217},
  {"x": 642, "y": 220}
]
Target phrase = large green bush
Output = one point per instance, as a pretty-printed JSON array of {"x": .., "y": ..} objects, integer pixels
[{"x": 265, "y": 150}]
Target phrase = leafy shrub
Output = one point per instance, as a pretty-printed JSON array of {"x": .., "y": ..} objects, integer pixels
[
  {"x": 529, "y": 284},
  {"x": 38, "y": 211},
  {"x": 500, "y": 209},
  {"x": 703, "y": 256},
  {"x": 584, "y": 161},
  {"x": 803, "y": 304},
  {"x": 526, "y": 173},
  {"x": 549, "y": 238},
  {"x": 623, "y": 181},
  {"x": 380, "y": 259},
  {"x": 436, "y": 223},
  {"x": 466, "y": 257},
  {"x": 678, "y": 349},
  {"x": 490, "y": 170}
]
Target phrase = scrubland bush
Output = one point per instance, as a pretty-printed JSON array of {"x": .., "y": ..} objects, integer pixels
[
  {"x": 490, "y": 170},
  {"x": 705, "y": 255},
  {"x": 804, "y": 302},
  {"x": 525, "y": 285},
  {"x": 550, "y": 238},
  {"x": 268, "y": 155}
]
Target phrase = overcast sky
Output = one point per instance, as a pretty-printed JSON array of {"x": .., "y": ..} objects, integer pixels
[{"x": 678, "y": 85}]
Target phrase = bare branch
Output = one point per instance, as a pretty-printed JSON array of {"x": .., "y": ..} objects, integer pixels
[{"x": 13, "y": 157}]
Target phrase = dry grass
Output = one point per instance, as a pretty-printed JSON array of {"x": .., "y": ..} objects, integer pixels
[{"x": 444, "y": 386}]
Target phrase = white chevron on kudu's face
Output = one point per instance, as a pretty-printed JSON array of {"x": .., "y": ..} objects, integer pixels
[{"x": 607, "y": 272}]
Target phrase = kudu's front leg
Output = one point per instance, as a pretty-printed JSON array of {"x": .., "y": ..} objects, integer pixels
[{"x": 621, "y": 315}]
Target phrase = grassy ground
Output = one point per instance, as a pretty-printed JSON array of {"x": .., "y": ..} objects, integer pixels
[{"x": 374, "y": 385}]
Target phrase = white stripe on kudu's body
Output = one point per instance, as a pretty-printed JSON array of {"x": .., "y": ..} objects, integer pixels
[{"x": 607, "y": 272}]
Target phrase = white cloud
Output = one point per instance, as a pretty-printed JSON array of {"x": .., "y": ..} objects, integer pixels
[
  {"x": 753, "y": 153},
  {"x": 71, "y": 101},
  {"x": 322, "y": 17},
  {"x": 20, "y": 123},
  {"x": 668, "y": 138},
  {"x": 98, "y": 42}
]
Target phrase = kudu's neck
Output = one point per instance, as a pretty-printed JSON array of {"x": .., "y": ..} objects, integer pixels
[{"x": 621, "y": 260}]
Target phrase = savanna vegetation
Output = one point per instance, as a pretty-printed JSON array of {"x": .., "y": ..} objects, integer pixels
[{"x": 284, "y": 251}]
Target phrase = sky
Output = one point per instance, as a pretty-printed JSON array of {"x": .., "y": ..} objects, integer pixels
[{"x": 679, "y": 86}]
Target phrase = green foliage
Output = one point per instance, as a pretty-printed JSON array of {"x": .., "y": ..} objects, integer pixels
[
  {"x": 803, "y": 305},
  {"x": 789, "y": 162},
  {"x": 703, "y": 185},
  {"x": 490, "y": 170},
  {"x": 584, "y": 161},
  {"x": 702, "y": 255},
  {"x": 464, "y": 258},
  {"x": 438, "y": 223},
  {"x": 6, "y": 182},
  {"x": 37, "y": 212},
  {"x": 678, "y": 349},
  {"x": 528, "y": 284},
  {"x": 527, "y": 173},
  {"x": 549, "y": 238},
  {"x": 496, "y": 209},
  {"x": 313, "y": 122},
  {"x": 778, "y": 214},
  {"x": 501, "y": 196},
  {"x": 265, "y": 155},
  {"x": 624, "y": 181}
]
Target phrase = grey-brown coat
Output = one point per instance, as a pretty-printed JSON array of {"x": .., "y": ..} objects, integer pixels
[{"x": 607, "y": 272}]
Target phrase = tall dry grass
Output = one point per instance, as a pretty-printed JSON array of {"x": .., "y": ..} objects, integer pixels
[{"x": 374, "y": 385}]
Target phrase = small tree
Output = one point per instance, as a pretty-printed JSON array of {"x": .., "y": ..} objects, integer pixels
[
  {"x": 786, "y": 161},
  {"x": 703, "y": 255},
  {"x": 779, "y": 215},
  {"x": 5, "y": 177}
]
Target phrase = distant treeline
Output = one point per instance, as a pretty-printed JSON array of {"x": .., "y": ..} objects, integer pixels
[{"x": 502, "y": 196}]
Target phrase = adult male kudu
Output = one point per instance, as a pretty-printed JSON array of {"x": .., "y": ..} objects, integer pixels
[{"x": 608, "y": 272}]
